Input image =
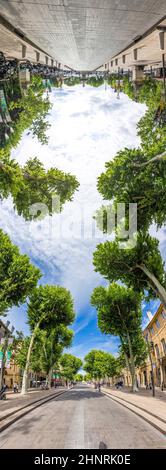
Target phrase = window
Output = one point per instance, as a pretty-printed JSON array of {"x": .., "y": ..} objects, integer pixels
[
  {"x": 163, "y": 345},
  {"x": 157, "y": 324},
  {"x": 112, "y": 63},
  {"x": 163, "y": 314},
  {"x": 152, "y": 331},
  {"x": 157, "y": 350},
  {"x": 116, "y": 61}
]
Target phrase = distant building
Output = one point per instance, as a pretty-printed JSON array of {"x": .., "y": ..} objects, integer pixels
[
  {"x": 3, "y": 330},
  {"x": 155, "y": 334},
  {"x": 13, "y": 373}
]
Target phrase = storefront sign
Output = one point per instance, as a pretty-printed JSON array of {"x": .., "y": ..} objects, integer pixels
[
  {"x": 8, "y": 357},
  {"x": 1, "y": 359}
]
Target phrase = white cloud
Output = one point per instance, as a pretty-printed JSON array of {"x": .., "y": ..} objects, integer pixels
[{"x": 88, "y": 127}]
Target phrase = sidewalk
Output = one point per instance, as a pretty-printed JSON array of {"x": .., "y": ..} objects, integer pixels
[
  {"x": 152, "y": 409},
  {"x": 16, "y": 401}
]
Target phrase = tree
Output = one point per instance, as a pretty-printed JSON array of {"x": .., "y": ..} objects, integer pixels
[
  {"x": 33, "y": 185},
  {"x": 114, "y": 80},
  {"x": 33, "y": 109},
  {"x": 46, "y": 350},
  {"x": 70, "y": 366},
  {"x": 138, "y": 175},
  {"x": 119, "y": 314},
  {"x": 129, "y": 179},
  {"x": 95, "y": 81},
  {"x": 49, "y": 308},
  {"x": 79, "y": 377},
  {"x": 39, "y": 129},
  {"x": 128, "y": 88},
  {"x": 89, "y": 362},
  {"x": 150, "y": 92},
  {"x": 18, "y": 277},
  {"x": 20, "y": 354},
  {"x": 141, "y": 267},
  {"x": 72, "y": 81},
  {"x": 99, "y": 364},
  {"x": 53, "y": 344}
]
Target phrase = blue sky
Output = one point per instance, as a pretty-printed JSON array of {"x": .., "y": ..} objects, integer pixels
[{"x": 88, "y": 127}]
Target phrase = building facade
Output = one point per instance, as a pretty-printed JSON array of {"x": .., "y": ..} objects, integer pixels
[
  {"x": 12, "y": 373},
  {"x": 155, "y": 334}
]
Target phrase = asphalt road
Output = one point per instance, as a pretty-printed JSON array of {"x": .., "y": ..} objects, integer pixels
[{"x": 81, "y": 419}]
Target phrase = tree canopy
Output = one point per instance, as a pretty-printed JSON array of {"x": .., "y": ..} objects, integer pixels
[
  {"x": 119, "y": 314},
  {"x": 33, "y": 109},
  {"x": 100, "y": 364},
  {"x": 33, "y": 188},
  {"x": 137, "y": 175},
  {"x": 125, "y": 180},
  {"x": 50, "y": 305},
  {"x": 70, "y": 365},
  {"x": 18, "y": 276},
  {"x": 140, "y": 267},
  {"x": 95, "y": 81},
  {"x": 50, "y": 309}
]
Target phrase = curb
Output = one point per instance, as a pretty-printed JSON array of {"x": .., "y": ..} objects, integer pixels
[
  {"x": 22, "y": 407},
  {"x": 32, "y": 407},
  {"x": 134, "y": 408}
]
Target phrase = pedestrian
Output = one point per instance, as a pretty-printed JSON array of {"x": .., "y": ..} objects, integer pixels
[
  {"x": 99, "y": 387},
  {"x": 15, "y": 387},
  {"x": 3, "y": 393}
]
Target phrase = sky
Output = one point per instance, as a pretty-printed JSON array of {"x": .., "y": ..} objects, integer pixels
[{"x": 88, "y": 127}]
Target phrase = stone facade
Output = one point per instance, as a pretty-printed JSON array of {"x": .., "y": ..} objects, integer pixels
[{"x": 155, "y": 333}]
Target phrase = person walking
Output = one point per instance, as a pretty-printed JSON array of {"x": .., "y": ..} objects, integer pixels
[{"x": 15, "y": 387}]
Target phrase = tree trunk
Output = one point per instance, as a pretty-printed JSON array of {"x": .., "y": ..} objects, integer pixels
[
  {"x": 155, "y": 284},
  {"x": 132, "y": 366},
  {"x": 49, "y": 377},
  {"x": 26, "y": 370}
]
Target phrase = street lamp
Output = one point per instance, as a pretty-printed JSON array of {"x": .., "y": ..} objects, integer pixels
[{"x": 150, "y": 349}]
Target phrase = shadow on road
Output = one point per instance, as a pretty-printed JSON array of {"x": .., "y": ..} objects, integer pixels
[
  {"x": 24, "y": 427},
  {"x": 102, "y": 445}
]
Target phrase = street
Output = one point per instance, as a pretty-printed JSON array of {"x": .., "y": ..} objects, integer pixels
[{"x": 81, "y": 419}]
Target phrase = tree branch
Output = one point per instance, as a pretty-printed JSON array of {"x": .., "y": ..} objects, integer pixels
[{"x": 157, "y": 158}]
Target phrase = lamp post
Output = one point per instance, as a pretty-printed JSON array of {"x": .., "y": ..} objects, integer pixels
[
  {"x": 164, "y": 77},
  {"x": 150, "y": 349}
]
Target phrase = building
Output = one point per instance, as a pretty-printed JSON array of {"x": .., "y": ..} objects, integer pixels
[
  {"x": 12, "y": 375},
  {"x": 4, "y": 330},
  {"x": 5, "y": 337},
  {"x": 155, "y": 334},
  {"x": 12, "y": 372},
  {"x": 145, "y": 51}
]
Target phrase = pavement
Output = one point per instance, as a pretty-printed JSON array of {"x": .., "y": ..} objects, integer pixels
[
  {"x": 16, "y": 401},
  {"x": 82, "y": 418},
  {"x": 15, "y": 46},
  {"x": 152, "y": 409},
  {"x": 82, "y": 35}
]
